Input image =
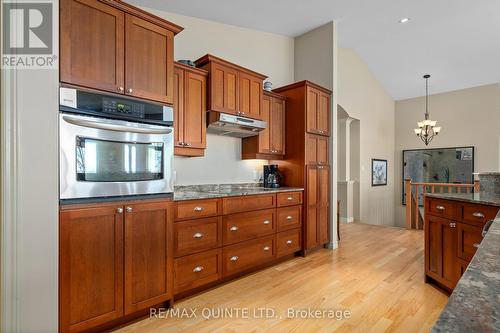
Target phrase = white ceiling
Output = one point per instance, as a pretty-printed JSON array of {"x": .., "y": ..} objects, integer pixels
[{"x": 456, "y": 41}]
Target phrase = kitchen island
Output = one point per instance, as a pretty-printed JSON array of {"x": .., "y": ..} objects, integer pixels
[{"x": 474, "y": 305}]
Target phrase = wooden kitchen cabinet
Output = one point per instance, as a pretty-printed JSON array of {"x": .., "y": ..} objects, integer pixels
[
  {"x": 307, "y": 161},
  {"x": 116, "y": 47},
  {"x": 270, "y": 143},
  {"x": 115, "y": 259},
  {"x": 90, "y": 267},
  {"x": 148, "y": 255},
  {"x": 453, "y": 231},
  {"x": 231, "y": 88},
  {"x": 189, "y": 110}
]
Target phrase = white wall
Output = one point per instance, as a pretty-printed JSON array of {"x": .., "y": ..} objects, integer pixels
[
  {"x": 266, "y": 53},
  {"x": 316, "y": 60},
  {"x": 468, "y": 117},
  {"x": 364, "y": 98}
]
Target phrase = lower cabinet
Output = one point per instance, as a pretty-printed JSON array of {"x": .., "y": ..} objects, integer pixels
[
  {"x": 288, "y": 242},
  {"x": 115, "y": 259},
  {"x": 317, "y": 206},
  {"x": 197, "y": 270},
  {"x": 243, "y": 256}
]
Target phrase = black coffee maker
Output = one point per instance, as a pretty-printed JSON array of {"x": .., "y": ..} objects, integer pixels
[{"x": 272, "y": 177}]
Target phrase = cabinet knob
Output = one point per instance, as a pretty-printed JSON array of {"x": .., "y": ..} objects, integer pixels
[
  {"x": 181, "y": 143},
  {"x": 234, "y": 228},
  {"x": 234, "y": 258},
  {"x": 198, "y": 209},
  {"x": 120, "y": 89},
  {"x": 129, "y": 209},
  {"x": 476, "y": 245},
  {"x": 187, "y": 144},
  {"x": 198, "y": 269},
  {"x": 478, "y": 214},
  {"x": 266, "y": 248},
  {"x": 129, "y": 90},
  {"x": 289, "y": 198},
  {"x": 453, "y": 224},
  {"x": 289, "y": 217},
  {"x": 289, "y": 242},
  {"x": 119, "y": 210},
  {"x": 439, "y": 207},
  {"x": 198, "y": 235},
  {"x": 266, "y": 222}
]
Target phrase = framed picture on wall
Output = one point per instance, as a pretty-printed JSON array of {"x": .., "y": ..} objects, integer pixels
[{"x": 379, "y": 172}]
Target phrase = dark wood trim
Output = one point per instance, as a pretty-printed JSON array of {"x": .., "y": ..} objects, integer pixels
[
  {"x": 303, "y": 83},
  {"x": 211, "y": 58},
  {"x": 128, "y": 8},
  {"x": 190, "y": 152}
]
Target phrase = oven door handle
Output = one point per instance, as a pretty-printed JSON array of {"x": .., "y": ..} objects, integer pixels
[{"x": 139, "y": 128}]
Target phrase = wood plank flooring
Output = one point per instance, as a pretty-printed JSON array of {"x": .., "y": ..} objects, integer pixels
[{"x": 377, "y": 274}]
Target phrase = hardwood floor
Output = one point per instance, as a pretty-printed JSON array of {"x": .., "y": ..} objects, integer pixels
[{"x": 377, "y": 274}]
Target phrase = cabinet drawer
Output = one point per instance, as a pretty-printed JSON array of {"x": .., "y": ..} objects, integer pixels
[
  {"x": 245, "y": 226},
  {"x": 289, "y": 199},
  {"x": 247, "y": 203},
  {"x": 478, "y": 214},
  {"x": 243, "y": 256},
  {"x": 469, "y": 238},
  {"x": 289, "y": 217},
  {"x": 442, "y": 208},
  {"x": 197, "y": 269},
  {"x": 288, "y": 242},
  {"x": 197, "y": 235},
  {"x": 185, "y": 210}
]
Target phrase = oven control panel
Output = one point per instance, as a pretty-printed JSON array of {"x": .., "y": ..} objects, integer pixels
[{"x": 127, "y": 108}]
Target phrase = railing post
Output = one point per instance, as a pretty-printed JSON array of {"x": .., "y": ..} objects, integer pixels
[
  {"x": 407, "y": 190},
  {"x": 476, "y": 186}
]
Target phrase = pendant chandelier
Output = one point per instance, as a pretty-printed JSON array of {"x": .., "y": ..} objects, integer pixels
[{"x": 427, "y": 128}]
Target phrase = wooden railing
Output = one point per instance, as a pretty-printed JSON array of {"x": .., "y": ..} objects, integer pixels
[{"x": 414, "y": 220}]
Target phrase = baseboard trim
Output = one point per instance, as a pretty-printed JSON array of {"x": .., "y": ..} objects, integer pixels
[{"x": 347, "y": 219}]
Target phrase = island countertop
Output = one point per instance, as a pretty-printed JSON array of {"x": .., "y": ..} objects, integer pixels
[
  {"x": 477, "y": 198},
  {"x": 474, "y": 305}
]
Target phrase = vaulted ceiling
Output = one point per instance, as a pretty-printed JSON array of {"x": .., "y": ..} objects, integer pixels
[{"x": 457, "y": 41}]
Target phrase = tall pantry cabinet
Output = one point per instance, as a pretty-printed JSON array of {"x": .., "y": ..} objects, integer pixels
[{"x": 307, "y": 161}]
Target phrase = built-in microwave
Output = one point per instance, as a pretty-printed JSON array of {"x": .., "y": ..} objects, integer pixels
[{"x": 113, "y": 147}]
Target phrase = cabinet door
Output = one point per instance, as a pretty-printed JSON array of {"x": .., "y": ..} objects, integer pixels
[
  {"x": 322, "y": 153},
  {"x": 149, "y": 63},
  {"x": 469, "y": 238},
  {"x": 450, "y": 271},
  {"x": 312, "y": 100},
  {"x": 278, "y": 126},
  {"x": 178, "y": 107},
  {"x": 265, "y": 135},
  {"x": 316, "y": 149},
  {"x": 323, "y": 203},
  {"x": 224, "y": 87},
  {"x": 148, "y": 255},
  {"x": 311, "y": 228},
  {"x": 323, "y": 114},
  {"x": 92, "y": 45},
  {"x": 91, "y": 267},
  {"x": 250, "y": 94},
  {"x": 433, "y": 246},
  {"x": 194, "y": 110}
]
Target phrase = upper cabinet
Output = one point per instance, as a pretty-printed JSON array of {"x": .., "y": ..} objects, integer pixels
[
  {"x": 189, "y": 110},
  {"x": 115, "y": 47},
  {"x": 231, "y": 88},
  {"x": 270, "y": 143},
  {"x": 318, "y": 111}
]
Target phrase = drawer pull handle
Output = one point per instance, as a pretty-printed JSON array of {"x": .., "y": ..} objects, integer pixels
[
  {"x": 476, "y": 245},
  {"x": 453, "y": 224},
  {"x": 266, "y": 248},
  {"x": 198, "y": 235},
  {"x": 266, "y": 222},
  {"x": 289, "y": 198},
  {"x": 478, "y": 214},
  {"x": 289, "y": 217},
  {"x": 129, "y": 209},
  {"x": 234, "y": 258},
  {"x": 289, "y": 242},
  {"x": 197, "y": 269},
  {"x": 198, "y": 209},
  {"x": 439, "y": 207},
  {"x": 234, "y": 228}
]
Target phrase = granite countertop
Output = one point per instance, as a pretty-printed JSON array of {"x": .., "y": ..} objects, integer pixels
[
  {"x": 193, "y": 192},
  {"x": 478, "y": 198},
  {"x": 474, "y": 305}
]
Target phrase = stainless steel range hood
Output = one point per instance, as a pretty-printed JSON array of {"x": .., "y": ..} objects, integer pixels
[{"x": 232, "y": 125}]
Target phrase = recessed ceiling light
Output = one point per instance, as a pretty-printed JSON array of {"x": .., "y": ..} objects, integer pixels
[{"x": 404, "y": 20}]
